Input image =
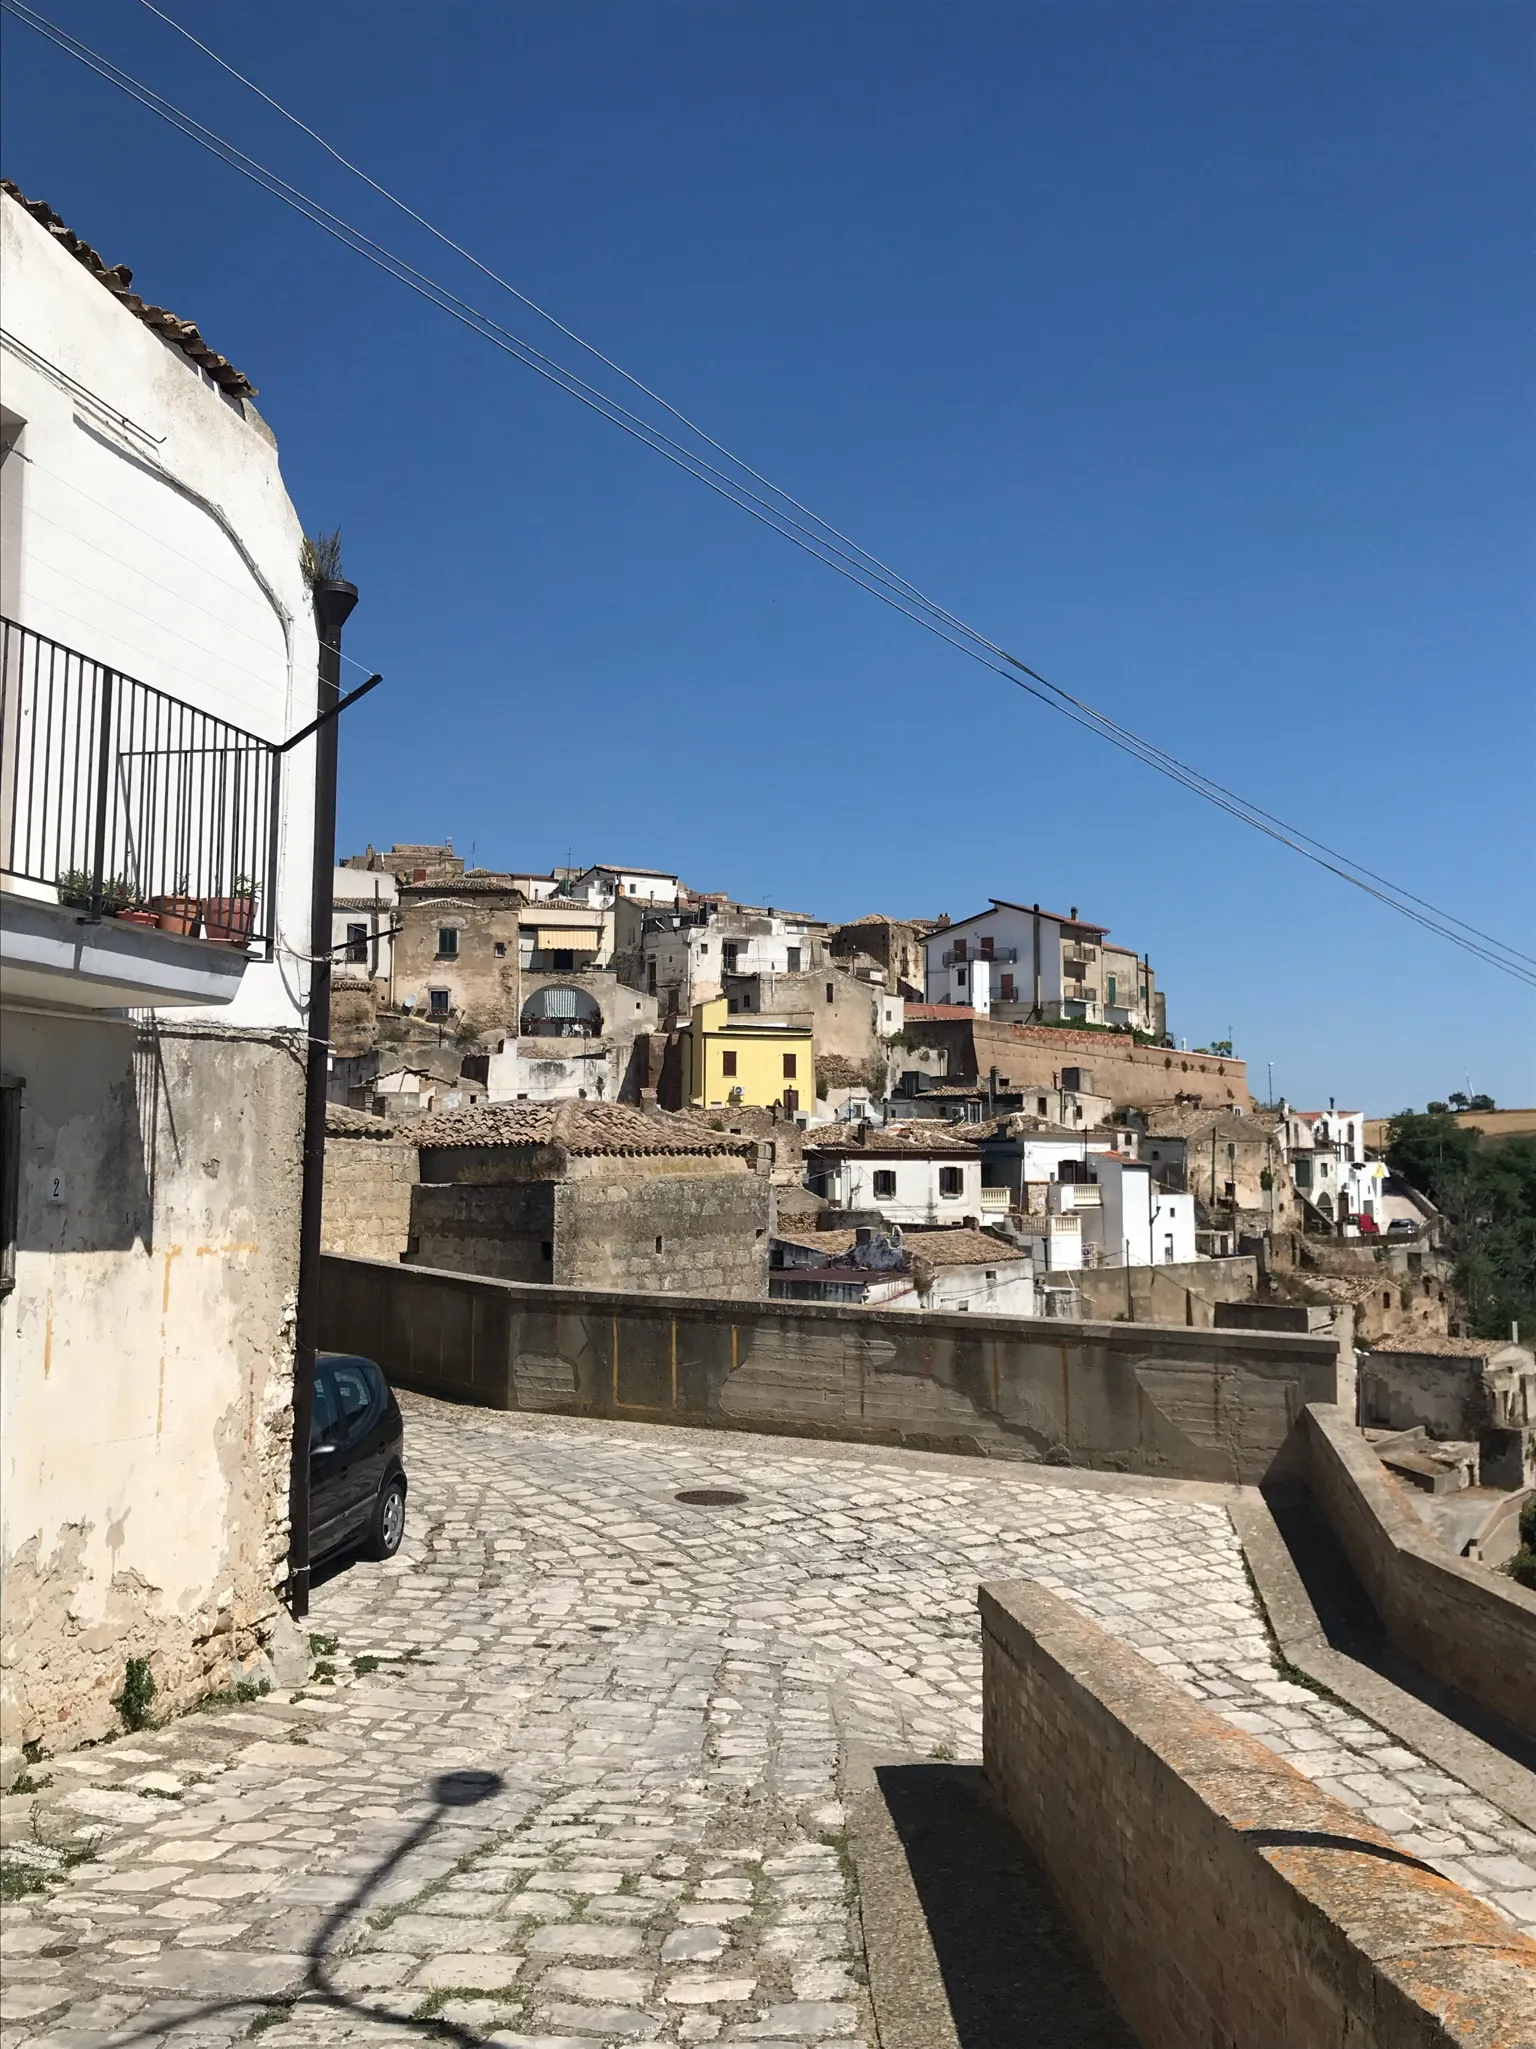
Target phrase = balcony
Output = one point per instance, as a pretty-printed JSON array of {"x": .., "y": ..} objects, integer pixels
[
  {"x": 953, "y": 958},
  {"x": 995, "y": 1201},
  {"x": 138, "y": 837}
]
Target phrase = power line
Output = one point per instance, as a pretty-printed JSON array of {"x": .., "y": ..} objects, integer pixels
[{"x": 828, "y": 546}]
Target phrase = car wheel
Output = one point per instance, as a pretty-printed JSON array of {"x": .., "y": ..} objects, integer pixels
[{"x": 388, "y": 1524}]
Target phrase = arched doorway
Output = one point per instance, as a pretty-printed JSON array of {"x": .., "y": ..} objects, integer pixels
[{"x": 560, "y": 1013}]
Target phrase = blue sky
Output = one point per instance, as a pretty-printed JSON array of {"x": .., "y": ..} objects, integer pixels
[{"x": 1184, "y": 348}]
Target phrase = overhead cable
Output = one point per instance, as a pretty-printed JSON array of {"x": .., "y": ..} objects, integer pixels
[{"x": 820, "y": 539}]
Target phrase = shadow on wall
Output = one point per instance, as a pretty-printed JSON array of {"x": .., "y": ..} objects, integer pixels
[
  {"x": 95, "y": 1114},
  {"x": 1013, "y": 1971}
]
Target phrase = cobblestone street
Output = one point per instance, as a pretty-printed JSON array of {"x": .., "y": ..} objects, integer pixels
[{"x": 576, "y": 1779}]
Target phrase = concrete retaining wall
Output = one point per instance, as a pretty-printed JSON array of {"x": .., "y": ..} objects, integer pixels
[
  {"x": 1464, "y": 1624},
  {"x": 1184, "y": 1293},
  {"x": 1224, "y": 1899},
  {"x": 1193, "y": 1404}
]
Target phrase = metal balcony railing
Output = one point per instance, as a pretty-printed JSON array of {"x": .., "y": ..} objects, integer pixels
[
  {"x": 130, "y": 803},
  {"x": 952, "y": 957}
]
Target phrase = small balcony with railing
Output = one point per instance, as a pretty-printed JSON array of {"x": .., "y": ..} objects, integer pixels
[
  {"x": 968, "y": 957},
  {"x": 138, "y": 837}
]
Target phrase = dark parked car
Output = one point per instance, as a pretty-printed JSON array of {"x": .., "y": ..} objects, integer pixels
[
  {"x": 356, "y": 1468},
  {"x": 1402, "y": 1227}
]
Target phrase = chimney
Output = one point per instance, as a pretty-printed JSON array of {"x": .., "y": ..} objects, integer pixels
[
  {"x": 1074, "y": 914},
  {"x": 861, "y": 1132}
]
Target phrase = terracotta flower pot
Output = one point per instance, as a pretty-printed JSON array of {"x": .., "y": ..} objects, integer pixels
[
  {"x": 136, "y": 915},
  {"x": 229, "y": 918},
  {"x": 176, "y": 914}
]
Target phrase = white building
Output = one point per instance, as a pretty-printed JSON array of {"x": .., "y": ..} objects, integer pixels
[
  {"x": 909, "y": 1174},
  {"x": 364, "y": 918},
  {"x": 1018, "y": 962},
  {"x": 685, "y": 957},
  {"x": 1135, "y": 1222},
  {"x": 605, "y": 885},
  {"x": 1325, "y": 1150},
  {"x": 1026, "y": 1155},
  {"x": 155, "y": 883}
]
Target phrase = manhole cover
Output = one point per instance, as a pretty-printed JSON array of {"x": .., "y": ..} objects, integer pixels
[{"x": 711, "y": 1497}]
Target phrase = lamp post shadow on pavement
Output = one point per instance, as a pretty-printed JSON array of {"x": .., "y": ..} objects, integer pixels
[{"x": 450, "y": 1790}]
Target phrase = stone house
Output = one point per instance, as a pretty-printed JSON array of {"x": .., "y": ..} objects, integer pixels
[
  {"x": 578, "y": 1034},
  {"x": 852, "y": 1018},
  {"x": 371, "y": 1166},
  {"x": 592, "y": 1195},
  {"x": 907, "y": 1174},
  {"x": 1231, "y": 1163},
  {"x": 409, "y": 863},
  {"x": 1468, "y": 1390},
  {"x": 154, "y": 1027},
  {"x": 894, "y": 945},
  {"x": 457, "y": 952}
]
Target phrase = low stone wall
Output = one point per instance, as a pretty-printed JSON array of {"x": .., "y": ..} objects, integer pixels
[
  {"x": 1186, "y": 1293},
  {"x": 1191, "y": 1404},
  {"x": 1223, "y": 1897},
  {"x": 1464, "y": 1624}
]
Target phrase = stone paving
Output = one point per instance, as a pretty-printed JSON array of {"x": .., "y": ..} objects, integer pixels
[{"x": 568, "y": 1772}]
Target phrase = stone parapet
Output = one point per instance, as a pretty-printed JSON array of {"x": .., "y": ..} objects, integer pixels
[
  {"x": 1223, "y": 1897},
  {"x": 1466, "y": 1625}
]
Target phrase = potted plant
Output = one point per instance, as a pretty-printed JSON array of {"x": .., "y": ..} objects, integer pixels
[
  {"x": 177, "y": 913},
  {"x": 119, "y": 898},
  {"x": 231, "y": 917}
]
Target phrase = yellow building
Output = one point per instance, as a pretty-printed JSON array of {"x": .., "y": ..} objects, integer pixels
[{"x": 726, "y": 1061}]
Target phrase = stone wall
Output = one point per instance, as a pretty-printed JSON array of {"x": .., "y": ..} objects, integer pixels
[
  {"x": 1463, "y": 1624},
  {"x": 1186, "y": 1293},
  {"x": 368, "y": 1183},
  {"x": 1194, "y": 1404},
  {"x": 654, "y": 1222},
  {"x": 148, "y": 1361},
  {"x": 1222, "y": 1896},
  {"x": 1031, "y": 1056}
]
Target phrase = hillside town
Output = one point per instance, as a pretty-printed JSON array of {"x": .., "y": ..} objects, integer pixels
[
  {"x": 516, "y": 1383},
  {"x": 986, "y": 1112}
]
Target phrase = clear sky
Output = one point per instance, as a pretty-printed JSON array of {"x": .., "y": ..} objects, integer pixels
[{"x": 1184, "y": 348}]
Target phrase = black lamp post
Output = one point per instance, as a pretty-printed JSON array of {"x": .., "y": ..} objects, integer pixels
[{"x": 334, "y": 600}]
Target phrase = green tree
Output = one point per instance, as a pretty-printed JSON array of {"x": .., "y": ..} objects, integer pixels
[{"x": 1487, "y": 1194}]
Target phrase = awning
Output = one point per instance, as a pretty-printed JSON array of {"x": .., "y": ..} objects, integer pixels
[{"x": 567, "y": 938}]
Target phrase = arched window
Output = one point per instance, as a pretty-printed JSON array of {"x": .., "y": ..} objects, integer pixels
[{"x": 556, "y": 1012}]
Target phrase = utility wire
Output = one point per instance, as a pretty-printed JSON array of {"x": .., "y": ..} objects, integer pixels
[
  {"x": 869, "y": 572},
  {"x": 883, "y": 568}
]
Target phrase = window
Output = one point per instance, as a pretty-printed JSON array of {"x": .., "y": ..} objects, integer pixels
[
  {"x": 951, "y": 1181},
  {"x": 729, "y": 949},
  {"x": 831, "y": 992},
  {"x": 563, "y": 959},
  {"x": 959, "y": 978},
  {"x": 354, "y": 1392},
  {"x": 1111, "y": 984},
  {"x": 1005, "y": 989},
  {"x": 885, "y": 1181},
  {"x": 10, "y": 1179},
  {"x": 789, "y": 1066},
  {"x": 986, "y": 945},
  {"x": 727, "y": 1063},
  {"x": 650, "y": 977},
  {"x": 658, "y": 1245},
  {"x": 547, "y": 1251},
  {"x": 437, "y": 999},
  {"x": 634, "y": 890},
  {"x": 324, "y": 1415},
  {"x": 357, "y": 942},
  {"x": 500, "y": 949},
  {"x": 703, "y": 946},
  {"x": 447, "y": 942},
  {"x": 794, "y": 960},
  {"x": 1040, "y": 1106}
]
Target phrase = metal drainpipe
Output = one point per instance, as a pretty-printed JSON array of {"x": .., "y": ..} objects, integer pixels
[{"x": 334, "y": 601}]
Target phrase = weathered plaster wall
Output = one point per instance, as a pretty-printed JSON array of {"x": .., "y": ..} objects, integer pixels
[
  {"x": 1223, "y": 1897},
  {"x": 368, "y": 1183},
  {"x": 1211, "y": 1405},
  {"x": 144, "y": 1404}
]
